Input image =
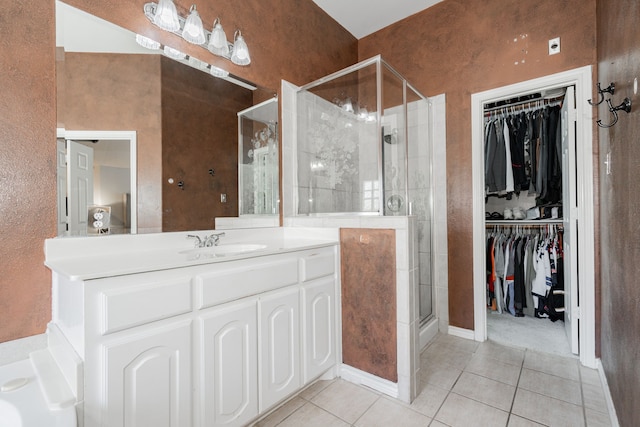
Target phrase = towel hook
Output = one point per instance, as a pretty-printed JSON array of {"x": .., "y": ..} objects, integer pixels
[
  {"x": 625, "y": 106},
  {"x": 611, "y": 89}
]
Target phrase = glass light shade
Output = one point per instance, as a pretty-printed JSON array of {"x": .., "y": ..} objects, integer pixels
[
  {"x": 174, "y": 53},
  {"x": 218, "y": 72},
  {"x": 193, "y": 31},
  {"x": 197, "y": 63},
  {"x": 147, "y": 42},
  {"x": 166, "y": 16},
  {"x": 347, "y": 106},
  {"x": 218, "y": 44},
  {"x": 240, "y": 55}
]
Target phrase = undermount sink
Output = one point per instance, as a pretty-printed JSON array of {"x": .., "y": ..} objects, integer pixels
[{"x": 224, "y": 249}]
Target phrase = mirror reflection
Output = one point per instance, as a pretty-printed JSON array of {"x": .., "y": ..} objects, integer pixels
[{"x": 187, "y": 128}]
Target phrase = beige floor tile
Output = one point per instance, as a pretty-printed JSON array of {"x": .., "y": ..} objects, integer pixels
[
  {"x": 309, "y": 415},
  {"x": 429, "y": 400},
  {"x": 554, "y": 365},
  {"x": 315, "y": 388},
  {"x": 435, "y": 423},
  {"x": 487, "y": 366},
  {"x": 516, "y": 421},
  {"x": 345, "y": 400},
  {"x": 459, "y": 411},
  {"x": 546, "y": 410},
  {"x": 281, "y": 413},
  {"x": 485, "y": 390},
  {"x": 551, "y": 386},
  {"x": 594, "y": 398},
  {"x": 439, "y": 374},
  {"x": 597, "y": 419},
  {"x": 384, "y": 413},
  {"x": 455, "y": 358},
  {"x": 590, "y": 376},
  {"x": 456, "y": 343},
  {"x": 510, "y": 355}
]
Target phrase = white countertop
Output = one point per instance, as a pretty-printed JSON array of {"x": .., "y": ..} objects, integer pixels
[{"x": 84, "y": 258}]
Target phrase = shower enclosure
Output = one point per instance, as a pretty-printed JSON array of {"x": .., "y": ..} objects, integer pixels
[{"x": 364, "y": 149}]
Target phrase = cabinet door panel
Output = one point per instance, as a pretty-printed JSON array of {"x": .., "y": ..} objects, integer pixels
[
  {"x": 230, "y": 365},
  {"x": 279, "y": 346},
  {"x": 148, "y": 378},
  {"x": 319, "y": 327}
]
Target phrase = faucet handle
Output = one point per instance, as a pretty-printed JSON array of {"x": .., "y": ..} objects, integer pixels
[
  {"x": 198, "y": 243},
  {"x": 213, "y": 239}
]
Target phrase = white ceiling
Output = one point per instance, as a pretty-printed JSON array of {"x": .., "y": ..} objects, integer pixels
[{"x": 364, "y": 17}]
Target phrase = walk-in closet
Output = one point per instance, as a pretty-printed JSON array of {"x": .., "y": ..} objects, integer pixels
[
  {"x": 526, "y": 145},
  {"x": 532, "y": 205}
]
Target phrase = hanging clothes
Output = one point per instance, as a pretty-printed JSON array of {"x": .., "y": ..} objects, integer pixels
[
  {"x": 525, "y": 274},
  {"x": 523, "y": 152}
]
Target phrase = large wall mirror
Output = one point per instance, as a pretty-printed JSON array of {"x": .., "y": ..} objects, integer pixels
[{"x": 164, "y": 137}]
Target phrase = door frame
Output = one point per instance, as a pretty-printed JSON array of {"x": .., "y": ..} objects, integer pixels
[
  {"x": 581, "y": 78},
  {"x": 130, "y": 135}
]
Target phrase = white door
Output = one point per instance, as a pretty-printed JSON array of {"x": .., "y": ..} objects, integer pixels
[
  {"x": 61, "y": 187},
  {"x": 319, "y": 331},
  {"x": 570, "y": 211},
  {"x": 229, "y": 379},
  {"x": 79, "y": 186},
  {"x": 279, "y": 343},
  {"x": 148, "y": 379}
]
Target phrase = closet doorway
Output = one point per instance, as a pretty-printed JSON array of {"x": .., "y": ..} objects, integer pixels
[{"x": 575, "y": 220}]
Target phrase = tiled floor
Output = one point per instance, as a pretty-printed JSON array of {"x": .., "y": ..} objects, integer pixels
[{"x": 463, "y": 383}]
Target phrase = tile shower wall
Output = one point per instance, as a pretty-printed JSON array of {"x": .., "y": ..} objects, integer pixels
[{"x": 343, "y": 173}]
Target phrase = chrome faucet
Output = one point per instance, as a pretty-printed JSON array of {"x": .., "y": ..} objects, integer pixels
[
  {"x": 213, "y": 240},
  {"x": 207, "y": 242}
]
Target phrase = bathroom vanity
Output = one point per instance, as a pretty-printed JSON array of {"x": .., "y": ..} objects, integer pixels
[{"x": 168, "y": 335}]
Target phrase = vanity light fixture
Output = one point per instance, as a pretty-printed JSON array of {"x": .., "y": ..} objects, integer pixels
[
  {"x": 191, "y": 29},
  {"x": 147, "y": 42},
  {"x": 240, "y": 55},
  {"x": 218, "y": 44},
  {"x": 218, "y": 72},
  {"x": 165, "y": 16},
  {"x": 174, "y": 53}
]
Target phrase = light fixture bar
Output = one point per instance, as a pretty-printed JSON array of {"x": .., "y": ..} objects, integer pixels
[{"x": 150, "y": 11}]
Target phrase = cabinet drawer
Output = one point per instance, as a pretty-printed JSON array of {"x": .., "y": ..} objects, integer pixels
[
  {"x": 317, "y": 265},
  {"x": 218, "y": 287},
  {"x": 132, "y": 306}
]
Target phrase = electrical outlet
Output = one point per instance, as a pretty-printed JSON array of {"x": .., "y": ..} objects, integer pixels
[
  {"x": 223, "y": 198},
  {"x": 554, "y": 46}
]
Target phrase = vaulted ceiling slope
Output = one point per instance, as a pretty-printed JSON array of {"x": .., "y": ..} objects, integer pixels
[{"x": 364, "y": 17}]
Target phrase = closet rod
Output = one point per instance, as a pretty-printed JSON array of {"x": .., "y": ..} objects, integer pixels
[
  {"x": 521, "y": 105},
  {"x": 555, "y": 225}
]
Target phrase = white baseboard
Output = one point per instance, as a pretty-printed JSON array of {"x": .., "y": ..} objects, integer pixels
[
  {"x": 356, "y": 376},
  {"x": 607, "y": 395},
  {"x": 461, "y": 332},
  {"x": 428, "y": 332}
]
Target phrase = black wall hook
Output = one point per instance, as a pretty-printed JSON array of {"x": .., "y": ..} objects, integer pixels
[
  {"x": 611, "y": 89},
  {"x": 625, "y": 106}
]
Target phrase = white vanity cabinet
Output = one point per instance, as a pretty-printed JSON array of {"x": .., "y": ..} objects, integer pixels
[
  {"x": 215, "y": 344},
  {"x": 229, "y": 364},
  {"x": 280, "y": 374}
]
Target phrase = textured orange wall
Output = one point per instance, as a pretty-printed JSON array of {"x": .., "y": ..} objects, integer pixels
[
  {"x": 619, "y": 62},
  {"x": 369, "y": 323},
  {"x": 27, "y": 165},
  {"x": 295, "y": 41},
  {"x": 460, "y": 47},
  {"x": 199, "y": 132},
  {"x": 105, "y": 91}
]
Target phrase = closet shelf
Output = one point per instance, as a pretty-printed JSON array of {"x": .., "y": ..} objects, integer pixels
[{"x": 523, "y": 221}]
